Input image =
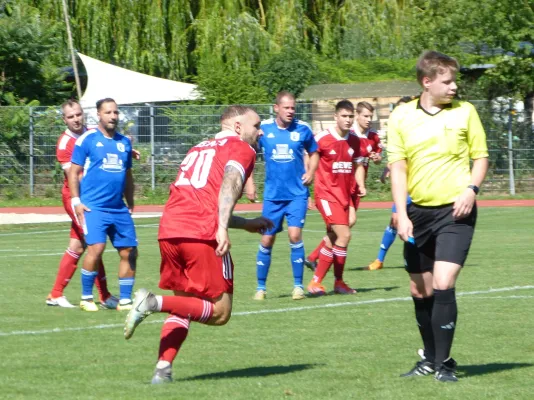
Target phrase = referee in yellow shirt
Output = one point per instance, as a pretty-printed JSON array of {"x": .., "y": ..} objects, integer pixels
[{"x": 430, "y": 142}]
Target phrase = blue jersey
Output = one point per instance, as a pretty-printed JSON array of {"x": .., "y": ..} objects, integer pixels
[
  {"x": 105, "y": 162},
  {"x": 283, "y": 151}
]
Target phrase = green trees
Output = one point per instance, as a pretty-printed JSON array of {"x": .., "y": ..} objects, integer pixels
[
  {"x": 29, "y": 60},
  {"x": 241, "y": 42}
]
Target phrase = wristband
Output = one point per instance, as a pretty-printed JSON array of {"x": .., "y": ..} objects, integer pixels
[{"x": 75, "y": 201}]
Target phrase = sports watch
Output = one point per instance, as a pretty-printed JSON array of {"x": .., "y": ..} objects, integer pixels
[{"x": 475, "y": 188}]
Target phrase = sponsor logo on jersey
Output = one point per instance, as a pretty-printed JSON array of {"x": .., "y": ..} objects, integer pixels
[
  {"x": 99, "y": 144},
  {"x": 270, "y": 136},
  {"x": 112, "y": 163},
  {"x": 282, "y": 154},
  {"x": 332, "y": 152},
  {"x": 342, "y": 167}
]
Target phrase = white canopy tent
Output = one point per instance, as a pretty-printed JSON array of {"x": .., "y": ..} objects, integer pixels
[{"x": 129, "y": 87}]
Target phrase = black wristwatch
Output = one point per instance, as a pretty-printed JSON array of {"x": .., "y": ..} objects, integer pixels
[{"x": 475, "y": 188}]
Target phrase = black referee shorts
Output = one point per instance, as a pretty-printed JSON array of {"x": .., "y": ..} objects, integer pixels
[{"x": 438, "y": 237}]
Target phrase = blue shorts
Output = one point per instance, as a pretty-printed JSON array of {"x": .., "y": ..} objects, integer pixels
[
  {"x": 293, "y": 210},
  {"x": 119, "y": 226},
  {"x": 408, "y": 202}
]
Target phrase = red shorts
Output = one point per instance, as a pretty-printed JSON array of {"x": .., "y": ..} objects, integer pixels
[
  {"x": 332, "y": 213},
  {"x": 76, "y": 231},
  {"x": 190, "y": 265},
  {"x": 355, "y": 201}
]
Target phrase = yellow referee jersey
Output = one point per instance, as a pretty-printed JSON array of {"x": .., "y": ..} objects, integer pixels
[{"x": 437, "y": 149}]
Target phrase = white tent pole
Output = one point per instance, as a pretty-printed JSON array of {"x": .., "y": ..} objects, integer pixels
[
  {"x": 71, "y": 48},
  {"x": 152, "y": 165}
]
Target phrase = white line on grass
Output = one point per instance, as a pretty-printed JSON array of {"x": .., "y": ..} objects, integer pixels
[
  {"x": 276, "y": 310},
  {"x": 44, "y": 254},
  {"x": 63, "y": 230},
  {"x": 42, "y": 232}
]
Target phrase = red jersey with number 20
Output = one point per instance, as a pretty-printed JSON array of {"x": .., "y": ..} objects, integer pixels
[
  {"x": 335, "y": 175},
  {"x": 192, "y": 209}
]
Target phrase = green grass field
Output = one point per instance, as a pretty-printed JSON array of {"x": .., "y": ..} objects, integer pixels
[{"x": 334, "y": 347}]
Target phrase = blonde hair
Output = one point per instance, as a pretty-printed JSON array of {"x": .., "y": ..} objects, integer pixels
[{"x": 431, "y": 63}]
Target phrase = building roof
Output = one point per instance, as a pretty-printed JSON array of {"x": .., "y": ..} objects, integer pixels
[{"x": 360, "y": 90}]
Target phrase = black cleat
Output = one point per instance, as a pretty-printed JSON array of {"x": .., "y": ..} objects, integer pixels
[
  {"x": 447, "y": 371},
  {"x": 312, "y": 265},
  {"x": 422, "y": 368}
]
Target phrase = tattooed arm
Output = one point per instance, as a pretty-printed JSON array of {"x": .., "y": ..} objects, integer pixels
[{"x": 231, "y": 189}]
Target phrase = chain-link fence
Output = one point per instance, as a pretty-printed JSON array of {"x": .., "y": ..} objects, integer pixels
[{"x": 164, "y": 134}]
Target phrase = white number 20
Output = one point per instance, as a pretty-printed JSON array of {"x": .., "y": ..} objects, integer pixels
[{"x": 201, "y": 162}]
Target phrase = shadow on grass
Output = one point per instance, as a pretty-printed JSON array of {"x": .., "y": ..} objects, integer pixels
[
  {"x": 385, "y": 289},
  {"x": 481, "y": 369},
  {"x": 365, "y": 268},
  {"x": 331, "y": 292},
  {"x": 253, "y": 372}
]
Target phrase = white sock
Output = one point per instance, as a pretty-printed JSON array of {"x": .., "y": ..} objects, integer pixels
[
  {"x": 162, "y": 364},
  {"x": 159, "y": 299}
]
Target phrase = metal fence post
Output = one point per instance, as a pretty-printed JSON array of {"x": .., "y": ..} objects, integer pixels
[
  {"x": 31, "y": 151},
  {"x": 152, "y": 155},
  {"x": 510, "y": 148}
]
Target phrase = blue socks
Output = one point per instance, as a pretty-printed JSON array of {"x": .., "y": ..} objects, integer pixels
[
  {"x": 387, "y": 240},
  {"x": 263, "y": 263},
  {"x": 125, "y": 289},
  {"x": 88, "y": 281},
  {"x": 297, "y": 262}
]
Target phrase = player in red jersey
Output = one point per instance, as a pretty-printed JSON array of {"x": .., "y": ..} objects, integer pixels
[
  {"x": 193, "y": 236},
  {"x": 370, "y": 149},
  {"x": 370, "y": 144},
  {"x": 362, "y": 127},
  {"x": 339, "y": 156},
  {"x": 73, "y": 118}
]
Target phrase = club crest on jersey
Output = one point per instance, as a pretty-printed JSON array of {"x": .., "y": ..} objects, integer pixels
[
  {"x": 120, "y": 147},
  {"x": 351, "y": 151},
  {"x": 369, "y": 148},
  {"x": 294, "y": 136},
  {"x": 282, "y": 154}
]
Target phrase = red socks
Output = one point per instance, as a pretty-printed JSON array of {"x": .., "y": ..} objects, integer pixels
[
  {"x": 193, "y": 308},
  {"x": 314, "y": 255},
  {"x": 173, "y": 334},
  {"x": 101, "y": 282},
  {"x": 326, "y": 258},
  {"x": 340, "y": 256},
  {"x": 67, "y": 268}
]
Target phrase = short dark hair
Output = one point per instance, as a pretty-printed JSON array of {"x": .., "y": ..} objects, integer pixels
[
  {"x": 404, "y": 99},
  {"x": 235, "y": 111},
  {"x": 431, "y": 63},
  {"x": 364, "y": 104},
  {"x": 103, "y": 101},
  {"x": 344, "y": 105},
  {"x": 69, "y": 103},
  {"x": 282, "y": 95}
]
